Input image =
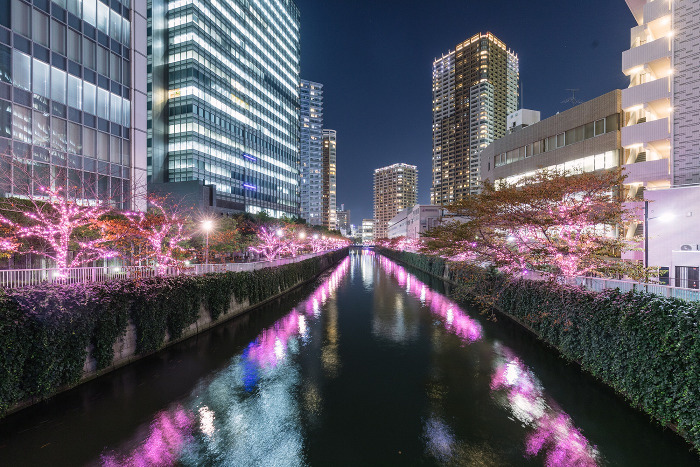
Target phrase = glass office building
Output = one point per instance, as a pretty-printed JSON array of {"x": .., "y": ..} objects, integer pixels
[
  {"x": 70, "y": 91},
  {"x": 224, "y": 103}
]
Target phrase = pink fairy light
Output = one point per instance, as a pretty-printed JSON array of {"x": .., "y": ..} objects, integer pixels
[
  {"x": 54, "y": 219},
  {"x": 164, "y": 230},
  {"x": 270, "y": 244}
]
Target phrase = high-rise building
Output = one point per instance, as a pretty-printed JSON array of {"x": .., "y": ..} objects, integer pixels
[
  {"x": 224, "y": 98},
  {"x": 73, "y": 94},
  {"x": 660, "y": 135},
  {"x": 395, "y": 189},
  {"x": 343, "y": 220},
  {"x": 661, "y": 103},
  {"x": 328, "y": 206},
  {"x": 475, "y": 88},
  {"x": 311, "y": 156}
]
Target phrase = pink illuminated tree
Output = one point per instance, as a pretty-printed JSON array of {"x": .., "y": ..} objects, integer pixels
[
  {"x": 49, "y": 217},
  {"x": 558, "y": 223},
  {"x": 270, "y": 242},
  {"x": 295, "y": 239},
  {"x": 163, "y": 229}
]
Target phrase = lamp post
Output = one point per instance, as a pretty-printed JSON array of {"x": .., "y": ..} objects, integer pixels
[{"x": 207, "y": 226}]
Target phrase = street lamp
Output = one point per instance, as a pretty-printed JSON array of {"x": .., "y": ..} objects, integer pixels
[{"x": 207, "y": 225}]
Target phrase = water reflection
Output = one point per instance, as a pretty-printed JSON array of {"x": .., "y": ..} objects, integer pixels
[
  {"x": 247, "y": 414},
  {"x": 517, "y": 388},
  {"x": 454, "y": 319},
  {"x": 554, "y": 432},
  {"x": 334, "y": 381},
  {"x": 167, "y": 435}
]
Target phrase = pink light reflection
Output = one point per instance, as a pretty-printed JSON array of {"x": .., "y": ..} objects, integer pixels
[
  {"x": 554, "y": 431},
  {"x": 270, "y": 348},
  {"x": 169, "y": 432},
  {"x": 453, "y": 317}
]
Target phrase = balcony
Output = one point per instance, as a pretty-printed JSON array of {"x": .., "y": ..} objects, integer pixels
[
  {"x": 637, "y": 9},
  {"x": 647, "y": 92},
  {"x": 646, "y": 53},
  {"x": 648, "y": 171},
  {"x": 644, "y": 133},
  {"x": 656, "y": 9}
]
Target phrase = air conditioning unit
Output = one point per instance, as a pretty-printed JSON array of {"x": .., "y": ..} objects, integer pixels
[{"x": 687, "y": 248}]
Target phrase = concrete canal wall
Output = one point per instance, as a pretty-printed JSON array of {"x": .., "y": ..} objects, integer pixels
[
  {"x": 57, "y": 337},
  {"x": 644, "y": 346}
]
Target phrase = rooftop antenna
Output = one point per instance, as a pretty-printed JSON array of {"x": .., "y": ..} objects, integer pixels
[{"x": 572, "y": 100}]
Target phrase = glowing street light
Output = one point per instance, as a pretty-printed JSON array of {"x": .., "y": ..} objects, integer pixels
[{"x": 207, "y": 225}]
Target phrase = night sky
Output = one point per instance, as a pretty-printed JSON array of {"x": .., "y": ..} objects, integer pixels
[{"x": 375, "y": 58}]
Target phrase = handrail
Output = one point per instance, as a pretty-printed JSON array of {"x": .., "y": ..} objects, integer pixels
[{"x": 16, "y": 278}]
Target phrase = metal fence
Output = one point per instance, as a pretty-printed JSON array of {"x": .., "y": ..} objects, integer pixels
[
  {"x": 15, "y": 278},
  {"x": 598, "y": 284}
]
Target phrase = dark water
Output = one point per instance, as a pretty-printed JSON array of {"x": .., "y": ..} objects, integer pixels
[{"x": 372, "y": 365}]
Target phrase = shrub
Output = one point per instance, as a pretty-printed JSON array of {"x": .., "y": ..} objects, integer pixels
[
  {"x": 645, "y": 346},
  {"x": 46, "y": 331}
]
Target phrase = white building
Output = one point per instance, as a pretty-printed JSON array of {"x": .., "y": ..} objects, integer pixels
[
  {"x": 413, "y": 222},
  {"x": 661, "y": 134},
  {"x": 522, "y": 118},
  {"x": 367, "y": 231},
  {"x": 398, "y": 225},
  {"x": 674, "y": 228}
]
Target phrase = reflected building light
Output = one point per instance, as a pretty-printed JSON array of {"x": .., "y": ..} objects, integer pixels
[
  {"x": 206, "y": 421},
  {"x": 440, "y": 440}
]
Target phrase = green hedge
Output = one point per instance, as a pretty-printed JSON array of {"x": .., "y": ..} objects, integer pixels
[
  {"x": 46, "y": 332},
  {"x": 645, "y": 346}
]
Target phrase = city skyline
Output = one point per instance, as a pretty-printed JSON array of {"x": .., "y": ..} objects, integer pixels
[{"x": 581, "y": 49}]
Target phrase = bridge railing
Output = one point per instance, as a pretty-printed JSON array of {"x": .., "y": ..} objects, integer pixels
[{"x": 15, "y": 278}]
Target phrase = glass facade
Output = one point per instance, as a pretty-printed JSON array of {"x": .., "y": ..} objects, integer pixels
[
  {"x": 224, "y": 100},
  {"x": 66, "y": 92}
]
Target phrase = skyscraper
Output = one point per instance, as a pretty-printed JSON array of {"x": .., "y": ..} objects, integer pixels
[
  {"x": 225, "y": 103},
  {"x": 328, "y": 208},
  {"x": 73, "y": 94},
  {"x": 343, "y": 220},
  {"x": 395, "y": 189},
  {"x": 311, "y": 166},
  {"x": 475, "y": 88}
]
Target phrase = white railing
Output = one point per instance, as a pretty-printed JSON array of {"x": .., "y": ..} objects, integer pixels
[
  {"x": 14, "y": 278},
  {"x": 598, "y": 284}
]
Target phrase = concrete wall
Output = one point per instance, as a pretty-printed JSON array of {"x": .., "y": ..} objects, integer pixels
[
  {"x": 125, "y": 347},
  {"x": 674, "y": 221}
]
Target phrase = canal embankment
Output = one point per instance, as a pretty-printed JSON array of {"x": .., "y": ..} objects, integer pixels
[
  {"x": 644, "y": 346},
  {"x": 55, "y": 337}
]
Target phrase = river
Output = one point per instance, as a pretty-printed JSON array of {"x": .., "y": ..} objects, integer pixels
[{"x": 372, "y": 364}]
